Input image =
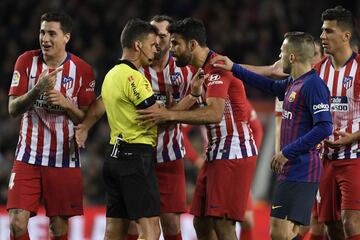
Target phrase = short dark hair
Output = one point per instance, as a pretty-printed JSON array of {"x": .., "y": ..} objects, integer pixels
[
  {"x": 302, "y": 44},
  {"x": 135, "y": 29},
  {"x": 64, "y": 19},
  {"x": 341, "y": 15},
  {"x": 162, "y": 18},
  {"x": 190, "y": 28}
]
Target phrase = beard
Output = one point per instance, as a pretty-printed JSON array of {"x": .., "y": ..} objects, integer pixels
[
  {"x": 160, "y": 54},
  {"x": 287, "y": 68},
  {"x": 182, "y": 61}
]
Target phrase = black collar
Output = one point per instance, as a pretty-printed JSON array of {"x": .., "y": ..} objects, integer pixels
[{"x": 127, "y": 62}]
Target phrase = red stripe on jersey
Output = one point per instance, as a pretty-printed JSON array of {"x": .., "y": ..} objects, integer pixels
[
  {"x": 28, "y": 139},
  {"x": 298, "y": 118},
  {"x": 147, "y": 74},
  {"x": 66, "y": 152},
  {"x": 161, "y": 81},
  {"x": 310, "y": 176}
]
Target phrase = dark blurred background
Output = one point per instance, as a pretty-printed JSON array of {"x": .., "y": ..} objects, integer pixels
[{"x": 248, "y": 31}]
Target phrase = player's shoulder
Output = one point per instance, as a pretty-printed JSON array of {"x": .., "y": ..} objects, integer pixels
[
  {"x": 80, "y": 62},
  {"x": 357, "y": 58},
  {"x": 28, "y": 55},
  {"x": 318, "y": 65},
  {"x": 313, "y": 82}
]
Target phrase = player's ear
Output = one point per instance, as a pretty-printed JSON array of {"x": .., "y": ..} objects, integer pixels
[
  {"x": 193, "y": 44},
  {"x": 347, "y": 36},
  {"x": 292, "y": 57},
  {"x": 67, "y": 37},
  {"x": 138, "y": 45}
]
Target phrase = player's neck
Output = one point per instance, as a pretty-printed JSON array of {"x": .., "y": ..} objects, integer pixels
[
  {"x": 159, "y": 64},
  {"x": 199, "y": 57},
  {"x": 55, "y": 61},
  {"x": 341, "y": 56},
  {"x": 300, "y": 69},
  {"x": 132, "y": 57}
]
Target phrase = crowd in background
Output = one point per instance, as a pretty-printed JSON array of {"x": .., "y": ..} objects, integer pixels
[{"x": 248, "y": 31}]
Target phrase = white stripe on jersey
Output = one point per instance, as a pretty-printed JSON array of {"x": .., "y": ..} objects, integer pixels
[
  {"x": 34, "y": 138},
  {"x": 46, "y": 118},
  {"x": 33, "y": 73},
  {"x": 168, "y": 153},
  {"x": 343, "y": 121}
]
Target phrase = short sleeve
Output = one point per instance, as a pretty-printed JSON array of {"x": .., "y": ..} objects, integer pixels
[
  {"x": 218, "y": 82},
  {"x": 138, "y": 88},
  {"x": 87, "y": 90},
  {"x": 20, "y": 78}
]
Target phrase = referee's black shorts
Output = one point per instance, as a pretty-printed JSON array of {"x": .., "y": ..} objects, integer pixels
[
  {"x": 294, "y": 201},
  {"x": 131, "y": 186}
]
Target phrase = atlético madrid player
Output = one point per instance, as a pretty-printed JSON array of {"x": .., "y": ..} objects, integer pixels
[
  {"x": 223, "y": 183},
  {"x": 339, "y": 200},
  {"x": 51, "y": 90}
]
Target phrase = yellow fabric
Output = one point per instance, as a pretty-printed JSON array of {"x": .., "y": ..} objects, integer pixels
[{"x": 122, "y": 90}]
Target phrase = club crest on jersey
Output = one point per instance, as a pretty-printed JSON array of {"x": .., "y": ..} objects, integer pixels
[
  {"x": 347, "y": 82},
  {"x": 175, "y": 78},
  {"x": 68, "y": 82},
  {"x": 292, "y": 96}
]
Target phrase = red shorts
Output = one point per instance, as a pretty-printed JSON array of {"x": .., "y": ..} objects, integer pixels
[
  {"x": 60, "y": 189},
  {"x": 222, "y": 188},
  {"x": 339, "y": 188},
  {"x": 249, "y": 205},
  {"x": 171, "y": 179}
]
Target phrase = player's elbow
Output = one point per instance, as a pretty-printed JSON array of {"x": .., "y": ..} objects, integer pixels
[
  {"x": 215, "y": 118},
  {"x": 13, "y": 111},
  {"x": 328, "y": 129}
]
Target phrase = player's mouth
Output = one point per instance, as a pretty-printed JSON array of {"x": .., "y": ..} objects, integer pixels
[{"x": 46, "y": 47}]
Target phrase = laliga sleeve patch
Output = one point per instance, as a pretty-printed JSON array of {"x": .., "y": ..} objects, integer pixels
[{"x": 15, "y": 79}]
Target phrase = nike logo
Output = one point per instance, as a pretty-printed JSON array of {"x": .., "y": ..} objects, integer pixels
[
  {"x": 32, "y": 77},
  {"x": 275, "y": 206}
]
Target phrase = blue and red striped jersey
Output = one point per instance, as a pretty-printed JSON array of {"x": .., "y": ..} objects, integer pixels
[{"x": 306, "y": 103}]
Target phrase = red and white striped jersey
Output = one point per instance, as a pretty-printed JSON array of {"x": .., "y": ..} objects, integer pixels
[
  {"x": 344, "y": 86},
  {"x": 46, "y": 132},
  {"x": 232, "y": 137},
  {"x": 174, "y": 80}
]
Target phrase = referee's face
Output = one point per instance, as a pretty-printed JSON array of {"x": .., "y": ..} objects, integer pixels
[{"x": 148, "y": 49}]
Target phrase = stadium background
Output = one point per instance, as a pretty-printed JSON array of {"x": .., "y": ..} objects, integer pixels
[{"x": 248, "y": 31}]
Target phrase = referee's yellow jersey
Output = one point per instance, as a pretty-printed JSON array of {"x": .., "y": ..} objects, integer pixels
[{"x": 123, "y": 89}]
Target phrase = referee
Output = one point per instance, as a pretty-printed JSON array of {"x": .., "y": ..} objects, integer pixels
[{"x": 130, "y": 182}]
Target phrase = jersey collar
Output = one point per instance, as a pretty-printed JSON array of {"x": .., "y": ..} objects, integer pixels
[{"x": 127, "y": 62}]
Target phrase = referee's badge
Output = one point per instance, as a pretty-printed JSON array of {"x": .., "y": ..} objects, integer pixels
[{"x": 292, "y": 96}]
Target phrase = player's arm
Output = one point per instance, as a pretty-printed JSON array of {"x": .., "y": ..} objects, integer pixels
[
  {"x": 94, "y": 113},
  {"x": 75, "y": 114},
  {"x": 20, "y": 104},
  {"x": 274, "y": 70},
  {"x": 316, "y": 96},
  {"x": 195, "y": 92},
  {"x": 275, "y": 88},
  {"x": 211, "y": 113}
]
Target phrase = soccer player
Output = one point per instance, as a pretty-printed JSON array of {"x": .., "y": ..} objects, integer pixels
[
  {"x": 223, "y": 183},
  {"x": 168, "y": 79},
  {"x": 306, "y": 121},
  {"x": 340, "y": 182},
  {"x": 51, "y": 90}
]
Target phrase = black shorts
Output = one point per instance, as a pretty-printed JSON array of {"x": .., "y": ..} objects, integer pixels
[
  {"x": 293, "y": 201},
  {"x": 130, "y": 182}
]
